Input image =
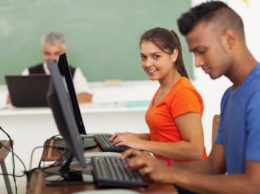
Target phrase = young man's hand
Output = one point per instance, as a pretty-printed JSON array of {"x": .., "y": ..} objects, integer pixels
[{"x": 147, "y": 164}]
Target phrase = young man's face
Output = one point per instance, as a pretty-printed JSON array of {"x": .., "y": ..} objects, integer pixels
[
  {"x": 52, "y": 51},
  {"x": 206, "y": 42}
]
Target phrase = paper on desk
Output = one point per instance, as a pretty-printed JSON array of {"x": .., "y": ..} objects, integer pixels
[{"x": 108, "y": 191}]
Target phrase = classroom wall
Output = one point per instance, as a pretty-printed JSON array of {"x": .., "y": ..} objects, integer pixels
[{"x": 101, "y": 35}]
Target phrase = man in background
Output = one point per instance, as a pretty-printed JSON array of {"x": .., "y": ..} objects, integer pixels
[{"x": 53, "y": 45}]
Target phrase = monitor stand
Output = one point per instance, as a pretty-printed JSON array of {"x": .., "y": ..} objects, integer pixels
[
  {"x": 65, "y": 175},
  {"x": 88, "y": 142}
]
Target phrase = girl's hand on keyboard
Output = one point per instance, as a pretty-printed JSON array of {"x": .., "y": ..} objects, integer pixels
[
  {"x": 128, "y": 139},
  {"x": 113, "y": 136}
]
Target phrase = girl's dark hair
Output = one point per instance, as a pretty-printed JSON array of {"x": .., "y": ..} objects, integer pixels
[{"x": 167, "y": 41}]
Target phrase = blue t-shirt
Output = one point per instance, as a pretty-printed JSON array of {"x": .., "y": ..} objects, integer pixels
[{"x": 239, "y": 127}]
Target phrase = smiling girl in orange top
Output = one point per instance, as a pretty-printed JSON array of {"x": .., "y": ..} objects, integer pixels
[{"x": 174, "y": 114}]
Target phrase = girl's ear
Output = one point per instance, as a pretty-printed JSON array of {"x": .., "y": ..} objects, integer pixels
[{"x": 174, "y": 55}]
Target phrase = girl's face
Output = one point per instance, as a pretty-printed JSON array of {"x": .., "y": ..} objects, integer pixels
[{"x": 155, "y": 62}]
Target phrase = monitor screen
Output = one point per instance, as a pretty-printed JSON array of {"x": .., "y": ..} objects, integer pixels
[
  {"x": 62, "y": 110},
  {"x": 65, "y": 72}
]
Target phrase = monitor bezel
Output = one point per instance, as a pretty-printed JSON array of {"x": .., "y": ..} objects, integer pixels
[{"x": 66, "y": 73}]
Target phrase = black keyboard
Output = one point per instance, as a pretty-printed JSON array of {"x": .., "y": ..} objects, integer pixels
[
  {"x": 106, "y": 145},
  {"x": 109, "y": 171}
]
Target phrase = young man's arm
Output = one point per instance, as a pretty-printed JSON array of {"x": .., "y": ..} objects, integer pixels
[
  {"x": 214, "y": 164},
  {"x": 206, "y": 176},
  {"x": 220, "y": 183}
]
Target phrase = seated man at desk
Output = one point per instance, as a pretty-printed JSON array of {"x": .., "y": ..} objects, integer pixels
[{"x": 53, "y": 44}]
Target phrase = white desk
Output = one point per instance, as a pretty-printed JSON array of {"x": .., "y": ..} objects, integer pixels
[{"x": 30, "y": 127}]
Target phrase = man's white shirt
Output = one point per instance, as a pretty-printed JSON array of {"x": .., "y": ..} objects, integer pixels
[{"x": 79, "y": 80}]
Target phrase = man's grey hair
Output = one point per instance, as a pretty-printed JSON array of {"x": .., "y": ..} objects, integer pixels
[{"x": 53, "y": 38}]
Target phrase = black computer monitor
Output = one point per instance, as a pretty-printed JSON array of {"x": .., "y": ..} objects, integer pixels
[
  {"x": 65, "y": 71},
  {"x": 69, "y": 86},
  {"x": 61, "y": 107}
]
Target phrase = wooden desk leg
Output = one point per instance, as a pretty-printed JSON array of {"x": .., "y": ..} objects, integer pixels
[{"x": 6, "y": 179}]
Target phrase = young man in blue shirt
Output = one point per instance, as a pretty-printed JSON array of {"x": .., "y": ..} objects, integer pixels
[{"x": 215, "y": 34}]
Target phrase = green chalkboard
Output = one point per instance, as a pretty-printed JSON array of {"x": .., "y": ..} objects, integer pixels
[{"x": 101, "y": 35}]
